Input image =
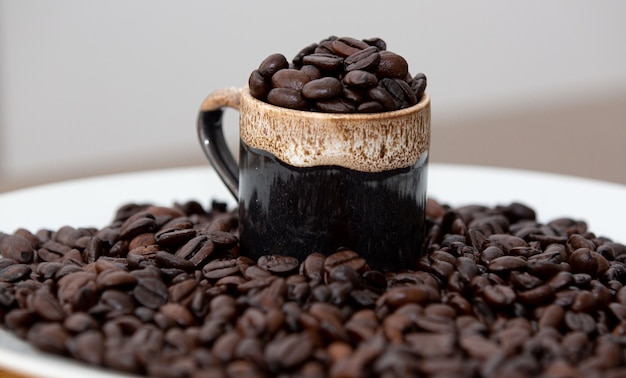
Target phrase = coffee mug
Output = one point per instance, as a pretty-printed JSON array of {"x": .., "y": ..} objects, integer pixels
[{"x": 319, "y": 182}]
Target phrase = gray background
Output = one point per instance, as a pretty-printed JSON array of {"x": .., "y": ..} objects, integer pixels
[{"x": 97, "y": 87}]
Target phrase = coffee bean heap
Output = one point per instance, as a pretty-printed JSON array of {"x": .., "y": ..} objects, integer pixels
[
  {"x": 161, "y": 292},
  {"x": 339, "y": 75}
]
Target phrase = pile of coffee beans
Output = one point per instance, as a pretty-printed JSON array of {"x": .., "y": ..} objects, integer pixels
[
  {"x": 339, "y": 75},
  {"x": 161, "y": 291}
]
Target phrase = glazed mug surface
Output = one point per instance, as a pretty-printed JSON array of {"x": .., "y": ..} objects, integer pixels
[{"x": 319, "y": 182}]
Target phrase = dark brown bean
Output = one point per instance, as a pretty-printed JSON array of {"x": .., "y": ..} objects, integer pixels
[
  {"x": 49, "y": 337},
  {"x": 383, "y": 97},
  {"x": 115, "y": 278},
  {"x": 419, "y": 85},
  {"x": 217, "y": 269},
  {"x": 174, "y": 236},
  {"x": 17, "y": 248},
  {"x": 47, "y": 306},
  {"x": 506, "y": 264},
  {"x": 346, "y": 46},
  {"x": 150, "y": 292},
  {"x": 14, "y": 272},
  {"x": 288, "y": 352},
  {"x": 313, "y": 267},
  {"x": 222, "y": 239},
  {"x": 359, "y": 78},
  {"x": 392, "y": 65},
  {"x": 370, "y": 107},
  {"x": 325, "y": 62},
  {"x": 272, "y": 64},
  {"x": 290, "y": 78},
  {"x": 259, "y": 87},
  {"x": 279, "y": 264},
  {"x": 135, "y": 226},
  {"x": 345, "y": 257},
  {"x": 88, "y": 347},
  {"x": 312, "y": 72},
  {"x": 499, "y": 295},
  {"x": 335, "y": 105},
  {"x": 287, "y": 98},
  {"x": 325, "y": 87},
  {"x": 366, "y": 59},
  {"x": 582, "y": 261},
  {"x": 168, "y": 260}
]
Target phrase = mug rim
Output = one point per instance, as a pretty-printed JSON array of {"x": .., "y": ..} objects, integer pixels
[{"x": 422, "y": 104}]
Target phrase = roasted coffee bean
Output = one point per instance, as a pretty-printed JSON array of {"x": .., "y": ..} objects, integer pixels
[
  {"x": 313, "y": 268},
  {"x": 150, "y": 292},
  {"x": 499, "y": 295},
  {"x": 577, "y": 241},
  {"x": 310, "y": 49},
  {"x": 49, "y": 337},
  {"x": 14, "y": 272},
  {"x": 287, "y": 98},
  {"x": 325, "y": 87},
  {"x": 289, "y": 351},
  {"x": 325, "y": 62},
  {"x": 17, "y": 248},
  {"x": 525, "y": 281},
  {"x": 290, "y": 78},
  {"x": 115, "y": 279},
  {"x": 335, "y": 105},
  {"x": 87, "y": 346},
  {"x": 197, "y": 250},
  {"x": 582, "y": 261},
  {"x": 174, "y": 236},
  {"x": 279, "y": 264},
  {"x": 222, "y": 239},
  {"x": 168, "y": 260},
  {"x": 378, "y": 42},
  {"x": 217, "y": 269},
  {"x": 272, "y": 64},
  {"x": 138, "y": 225},
  {"x": 47, "y": 306},
  {"x": 311, "y": 71},
  {"x": 118, "y": 302},
  {"x": 580, "y": 321},
  {"x": 345, "y": 257},
  {"x": 370, "y": 107},
  {"x": 392, "y": 65},
  {"x": 536, "y": 296},
  {"x": 419, "y": 85},
  {"x": 80, "y": 322},
  {"x": 506, "y": 264},
  {"x": 346, "y": 46},
  {"x": 383, "y": 97},
  {"x": 360, "y": 78},
  {"x": 397, "y": 92},
  {"x": 366, "y": 59}
]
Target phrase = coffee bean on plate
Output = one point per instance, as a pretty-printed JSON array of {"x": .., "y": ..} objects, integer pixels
[{"x": 497, "y": 294}]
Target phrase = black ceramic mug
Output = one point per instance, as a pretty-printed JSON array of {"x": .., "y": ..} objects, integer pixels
[{"x": 319, "y": 182}]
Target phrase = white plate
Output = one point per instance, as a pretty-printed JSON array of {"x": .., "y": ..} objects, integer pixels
[{"x": 92, "y": 202}]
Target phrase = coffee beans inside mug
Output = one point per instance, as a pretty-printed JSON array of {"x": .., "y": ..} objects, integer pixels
[{"x": 326, "y": 76}]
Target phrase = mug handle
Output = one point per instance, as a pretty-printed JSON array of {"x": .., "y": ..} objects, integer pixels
[{"x": 211, "y": 135}]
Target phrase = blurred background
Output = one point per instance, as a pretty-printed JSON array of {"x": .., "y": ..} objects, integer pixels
[{"x": 106, "y": 86}]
